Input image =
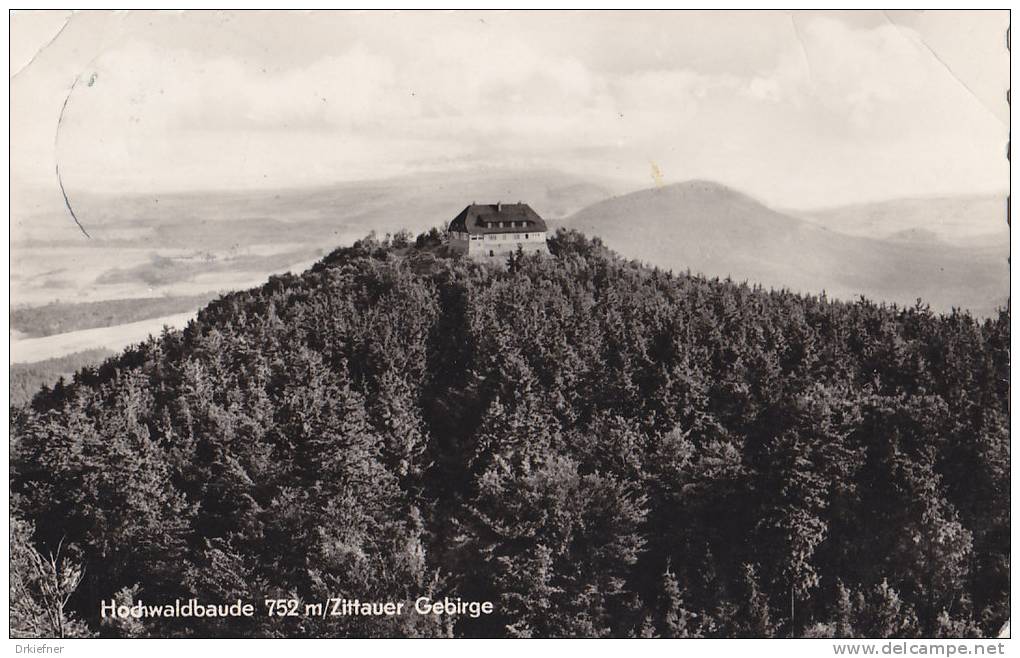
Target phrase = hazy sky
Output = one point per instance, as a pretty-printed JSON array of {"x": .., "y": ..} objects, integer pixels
[{"x": 798, "y": 109}]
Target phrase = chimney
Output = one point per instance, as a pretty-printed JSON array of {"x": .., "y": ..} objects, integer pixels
[{"x": 498, "y": 204}]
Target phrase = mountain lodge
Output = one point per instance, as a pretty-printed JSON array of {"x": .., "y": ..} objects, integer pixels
[{"x": 493, "y": 231}]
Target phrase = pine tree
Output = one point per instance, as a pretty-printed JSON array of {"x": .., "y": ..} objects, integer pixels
[
  {"x": 40, "y": 588},
  {"x": 553, "y": 546}
]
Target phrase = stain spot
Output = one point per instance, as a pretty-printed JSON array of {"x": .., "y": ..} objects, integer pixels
[{"x": 657, "y": 175}]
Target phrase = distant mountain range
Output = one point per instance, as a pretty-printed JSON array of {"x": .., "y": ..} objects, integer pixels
[
  {"x": 948, "y": 251},
  {"x": 976, "y": 220},
  {"x": 186, "y": 243},
  {"x": 717, "y": 231},
  {"x": 323, "y": 215}
]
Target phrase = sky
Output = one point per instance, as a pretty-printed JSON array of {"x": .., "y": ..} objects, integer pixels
[{"x": 800, "y": 109}]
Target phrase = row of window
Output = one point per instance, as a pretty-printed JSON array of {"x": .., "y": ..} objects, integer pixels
[
  {"x": 521, "y": 224},
  {"x": 493, "y": 253},
  {"x": 457, "y": 235},
  {"x": 502, "y": 236}
]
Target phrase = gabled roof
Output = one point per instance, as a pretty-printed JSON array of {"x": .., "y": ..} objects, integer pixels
[{"x": 484, "y": 218}]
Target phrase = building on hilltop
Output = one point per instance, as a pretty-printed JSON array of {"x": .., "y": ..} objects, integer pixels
[{"x": 492, "y": 231}]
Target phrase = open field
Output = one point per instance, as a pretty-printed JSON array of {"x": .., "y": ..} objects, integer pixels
[
  {"x": 51, "y": 319},
  {"x": 30, "y": 350}
]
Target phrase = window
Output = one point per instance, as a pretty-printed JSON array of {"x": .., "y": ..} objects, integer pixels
[
  {"x": 490, "y": 253},
  {"x": 526, "y": 237}
]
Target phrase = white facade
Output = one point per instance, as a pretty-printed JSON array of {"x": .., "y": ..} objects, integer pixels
[{"x": 497, "y": 246}]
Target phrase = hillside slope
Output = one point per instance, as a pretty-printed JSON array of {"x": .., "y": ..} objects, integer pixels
[
  {"x": 593, "y": 447},
  {"x": 712, "y": 229}
]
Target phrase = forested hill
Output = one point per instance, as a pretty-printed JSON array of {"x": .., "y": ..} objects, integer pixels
[{"x": 597, "y": 448}]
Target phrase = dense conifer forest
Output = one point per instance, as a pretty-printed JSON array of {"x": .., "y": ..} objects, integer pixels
[{"x": 596, "y": 447}]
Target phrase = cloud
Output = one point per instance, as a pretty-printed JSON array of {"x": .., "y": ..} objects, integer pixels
[{"x": 807, "y": 108}]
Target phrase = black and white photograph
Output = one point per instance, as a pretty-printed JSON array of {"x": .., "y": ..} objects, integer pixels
[{"x": 501, "y": 324}]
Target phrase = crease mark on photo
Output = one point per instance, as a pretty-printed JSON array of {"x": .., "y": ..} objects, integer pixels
[
  {"x": 944, "y": 64},
  {"x": 43, "y": 47},
  {"x": 800, "y": 41}
]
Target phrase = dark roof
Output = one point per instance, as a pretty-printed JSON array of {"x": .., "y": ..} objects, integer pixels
[{"x": 485, "y": 218}]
